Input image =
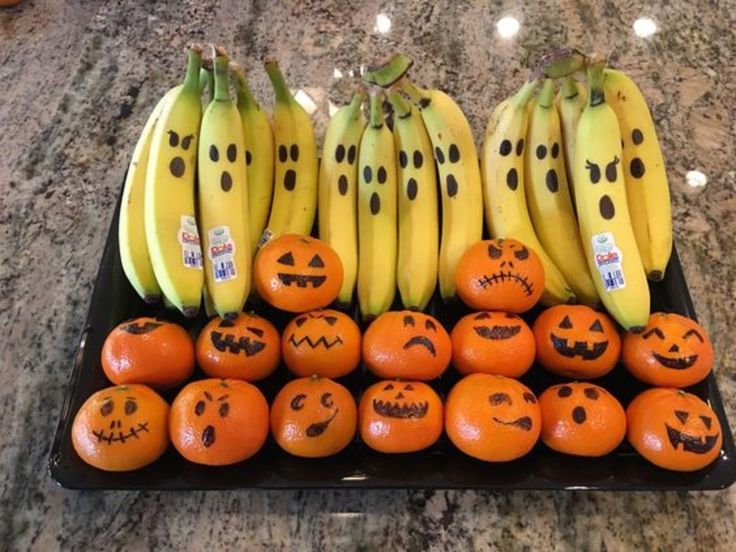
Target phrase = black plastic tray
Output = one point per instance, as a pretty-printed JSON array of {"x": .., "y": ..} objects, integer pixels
[{"x": 440, "y": 467}]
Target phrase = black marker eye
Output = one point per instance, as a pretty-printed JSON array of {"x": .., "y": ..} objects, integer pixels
[
  {"x": 186, "y": 142},
  {"x": 566, "y": 323},
  {"x": 482, "y": 316},
  {"x": 389, "y": 387},
  {"x": 611, "y": 171},
  {"x": 430, "y": 325},
  {"x": 656, "y": 331},
  {"x": 316, "y": 262},
  {"x": 286, "y": 259},
  {"x": 408, "y": 320},
  {"x": 300, "y": 321},
  {"x": 494, "y": 252},
  {"x": 297, "y": 403},
  {"x": 498, "y": 398},
  {"x": 331, "y": 320},
  {"x": 529, "y": 397},
  {"x": 408, "y": 387},
  {"x": 564, "y": 391},
  {"x": 214, "y": 154},
  {"x": 173, "y": 139},
  {"x": 130, "y": 407},
  {"x": 522, "y": 254},
  {"x": 682, "y": 415},
  {"x": 695, "y": 333},
  {"x": 326, "y": 400},
  {"x": 596, "y": 326},
  {"x": 707, "y": 421},
  {"x": 256, "y": 331},
  {"x": 339, "y": 153},
  {"x": 107, "y": 407},
  {"x": 232, "y": 153},
  {"x": 199, "y": 408},
  {"x": 595, "y": 171},
  {"x": 591, "y": 393},
  {"x": 224, "y": 410}
]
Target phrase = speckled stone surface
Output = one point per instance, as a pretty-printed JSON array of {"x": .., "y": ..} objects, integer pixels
[{"x": 78, "y": 81}]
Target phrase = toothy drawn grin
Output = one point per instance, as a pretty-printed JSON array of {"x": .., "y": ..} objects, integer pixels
[
  {"x": 497, "y": 332},
  {"x": 301, "y": 280},
  {"x": 403, "y": 411},
  {"x": 318, "y": 428},
  {"x": 227, "y": 342},
  {"x": 691, "y": 443},
  {"x": 580, "y": 348},
  {"x": 314, "y": 344},
  {"x": 524, "y": 423},
  {"x": 423, "y": 341},
  {"x": 501, "y": 277},
  {"x": 121, "y": 437},
  {"x": 680, "y": 363}
]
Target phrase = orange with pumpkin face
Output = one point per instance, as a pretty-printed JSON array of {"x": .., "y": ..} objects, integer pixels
[
  {"x": 576, "y": 342},
  {"x": 406, "y": 344},
  {"x": 492, "y": 343},
  {"x": 502, "y": 275},
  {"x": 121, "y": 428},
  {"x": 672, "y": 351},
  {"x": 297, "y": 273},
  {"x": 673, "y": 429},
  {"x": 323, "y": 342}
]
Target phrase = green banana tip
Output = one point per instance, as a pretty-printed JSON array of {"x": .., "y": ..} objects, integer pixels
[{"x": 196, "y": 48}]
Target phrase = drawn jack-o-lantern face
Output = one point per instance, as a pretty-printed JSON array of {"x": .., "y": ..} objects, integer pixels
[
  {"x": 406, "y": 344},
  {"x": 672, "y": 351},
  {"x": 297, "y": 273},
  {"x": 121, "y": 428},
  {"x": 218, "y": 422},
  {"x": 246, "y": 348},
  {"x": 313, "y": 417},
  {"x": 400, "y": 416},
  {"x": 581, "y": 419},
  {"x": 493, "y": 418},
  {"x": 501, "y": 274},
  {"x": 577, "y": 342},
  {"x": 492, "y": 343},
  {"x": 673, "y": 429},
  {"x": 324, "y": 342}
]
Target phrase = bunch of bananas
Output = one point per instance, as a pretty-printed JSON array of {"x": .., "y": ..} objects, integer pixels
[{"x": 580, "y": 178}]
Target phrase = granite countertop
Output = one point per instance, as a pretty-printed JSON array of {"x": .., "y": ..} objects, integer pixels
[{"x": 79, "y": 79}]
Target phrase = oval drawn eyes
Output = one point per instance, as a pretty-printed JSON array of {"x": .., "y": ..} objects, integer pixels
[
  {"x": 430, "y": 325},
  {"x": 494, "y": 252},
  {"x": 326, "y": 400},
  {"x": 522, "y": 254},
  {"x": 173, "y": 139},
  {"x": 297, "y": 403},
  {"x": 408, "y": 320},
  {"x": 107, "y": 407},
  {"x": 499, "y": 398},
  {"x": 199, "y": 408},
  {"x": 595, "y": 172},
  {"x": 611, "y": 171},
  {"x": 130, "y": 407}
]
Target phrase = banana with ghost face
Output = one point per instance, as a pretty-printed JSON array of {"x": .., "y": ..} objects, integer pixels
[{"x": 171, "y": 229}]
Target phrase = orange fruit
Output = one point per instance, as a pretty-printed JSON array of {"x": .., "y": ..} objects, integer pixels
[
  {"x": 500, "y": 275},
  {"x": 673, "y": 429},
  {"x": 247, "y": 348},
  {"x": 672, "y": 351},
  {"x": 406, "y": 344},
  {"x": 575, "y": 341},
  {"x": 313, "y": 417},
  {"x": 297, "y": 273},
  {"x": 492, "y": 343},
  {"x": 581, "y": 419},
  {"x": 218, "y": 422},
  {"x": 322, "y": 342},
  {"x": 148, "y": 351},
  {"x": 400, "y": 416},
  {"x": 121, "y": 428},
  {"x": 492, "y": 418}
]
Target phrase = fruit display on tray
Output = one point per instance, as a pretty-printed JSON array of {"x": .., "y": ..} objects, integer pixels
[{"x": 543, "y": 240}]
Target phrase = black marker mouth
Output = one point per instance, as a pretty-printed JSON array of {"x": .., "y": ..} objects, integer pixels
[
  {"x": 497, "y": 332},
  {"x": 420, "y": 340},
  {"x": 503, "y": 277},
  {"x": 679, "y": 363},
  {"x": 524, "y": 423},
  {"x": 318, "y": 428},
  {"x": 580, "y": 348},
  {"x": 691, "y": 443},
  {"x": 301, "y": 280},
  {"x": 404, "y": 411},
  {"x": 227, "y": 342},
  {"x": 121, "y": 437},
  {"x": 314, "y": 344}
]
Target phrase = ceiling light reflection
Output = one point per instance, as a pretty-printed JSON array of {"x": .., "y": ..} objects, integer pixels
[
  {"x": 508, "y": 26},
  {"x": 696, "y": 179},
  {"x": 305, "y": 100},
  {"x": 383, "y": 24},
  {"x": 645, "y": 27}
]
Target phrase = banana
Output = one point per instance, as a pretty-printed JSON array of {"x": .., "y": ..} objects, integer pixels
[
  {"x": 644, "y": 170},
  {"x": 207, "y": 79},
  {"x": 223, "y": 214},
  {"x": 131, "y": 223},
  {"x": 502, "y": 166},
  {"x": 603, "y": 213},
  {"x": 259, "y": 154},
  {"x": 548, "y": 199},
  {"x": 459, "y": 176},
  {"x": 418, "y": 225},
  {"x": 338, "y": 181},
  {"x": 570, "y": 103},
  {"x": 170, "y": 225},
  {"x": 376, "y": 215},
  {"x": 295, "y": 182}
]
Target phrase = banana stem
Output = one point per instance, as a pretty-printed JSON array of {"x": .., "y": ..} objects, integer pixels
[
  {"x": 377, "y": 110},
  {"x": 547, "y": 94},
  {"x": 401, "y": 107},
  {"x": 194, "y": 63},
  {"x": 280, "y": 88},
  {"x": 595, "y": 78},
  {"x": 417, "y": 95},
  {"x": 245, "y": 95},
  {"x": 569, "y": 88},
  {"x": 222, "y": 82},
  {"x": 356, "y": 105},
  {"x": 206, "y": 80},
  {"x": 525, "y": 93}
]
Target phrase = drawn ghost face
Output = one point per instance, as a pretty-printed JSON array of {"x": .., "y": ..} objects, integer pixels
[
  {"x": 605, "y": 171},
  {"x": 179, "y": 146},
  {"x": 222, "y": 156}
]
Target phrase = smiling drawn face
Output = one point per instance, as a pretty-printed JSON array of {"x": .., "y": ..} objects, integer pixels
[
  {"x": 406, "y": 344},
  {"x": 313, "y": 417},
  {"x": 121, "y": 428},
  {"x": 577, "y": 342},
  {"x": 492, "y": 343},
  {"x": 672, "y": 351},
  {"x": 298, "y": 273},
  {"x": 501, "y": 274}
]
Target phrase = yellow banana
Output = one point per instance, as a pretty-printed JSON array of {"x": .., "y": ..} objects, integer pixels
[
  {"x": 131, "y": 224},
  {"x": 502, "y": 166},
  {"x": 603, "y": 213},
  {"x": 170, "y": 225},
  {"x": 376, "y": 215},
  {"x": 644, "y": 170},
  {"x": 459, "y": 176},
  {"x": 570, "y": 102},
  {"x": 295, "y": 182},
  {"x": 222, "y": 188},
  {"x": 259, "y": 155},
  {"x": 548, "y": 198},
  {"x": 338, "y": 193},
  {"x": 418, "y": 225}
]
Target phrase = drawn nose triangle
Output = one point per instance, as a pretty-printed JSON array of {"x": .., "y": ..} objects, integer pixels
[{"x": 674, "y": 349}]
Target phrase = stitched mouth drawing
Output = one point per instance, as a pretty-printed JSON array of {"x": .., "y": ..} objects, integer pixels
[
  {"x": 497, "y": 332},
  {"x": 318, "y": 428},
  {"x": 301, "y": 280},
  {"x": 121, "y": 437},
  {"x": 404, "y": 411},
  {"x": 580, "y": 348},
  {"x": 524, "y": 423},
  {"x": 503, "y": 277},
  {"x": 314, "y": 344},
  {"x": 223, "y": 342},
  {"x": 691, "y": 443},
  {"x": 679, "y": 363},
  {"x": 421, "y": 341}
]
